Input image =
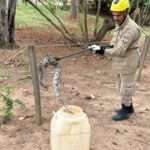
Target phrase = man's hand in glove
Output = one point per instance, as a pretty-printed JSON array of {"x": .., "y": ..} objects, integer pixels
[{"x": 97, "y": 49}]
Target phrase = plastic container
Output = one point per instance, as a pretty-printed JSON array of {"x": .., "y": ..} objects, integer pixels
[{"x": 70, "y": 130}]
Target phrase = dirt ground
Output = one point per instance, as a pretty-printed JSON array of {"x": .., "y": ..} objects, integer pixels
[{"x": 87, "y": 82}]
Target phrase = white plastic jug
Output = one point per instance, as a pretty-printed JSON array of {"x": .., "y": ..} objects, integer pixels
[{"x": 70, "y": 131}]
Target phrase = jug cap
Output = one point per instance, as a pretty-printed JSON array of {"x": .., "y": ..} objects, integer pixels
[{"x": 73, "y": 109}]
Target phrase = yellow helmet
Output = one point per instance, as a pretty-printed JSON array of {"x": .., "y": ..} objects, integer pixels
[{"x": 119, "y": 5}]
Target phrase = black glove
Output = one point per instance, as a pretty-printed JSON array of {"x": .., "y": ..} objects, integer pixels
[
  {"x": 101, "y": 51},
  {"x": 97, "y": 49}
]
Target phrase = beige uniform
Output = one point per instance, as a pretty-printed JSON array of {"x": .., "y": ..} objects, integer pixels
[{"x": 125, "y": 57}]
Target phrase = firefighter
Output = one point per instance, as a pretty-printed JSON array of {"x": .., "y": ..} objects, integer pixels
[{"x": 124, "y": 54}]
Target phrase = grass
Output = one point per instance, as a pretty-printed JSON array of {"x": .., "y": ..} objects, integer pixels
[{"x": 26, "y": 15}]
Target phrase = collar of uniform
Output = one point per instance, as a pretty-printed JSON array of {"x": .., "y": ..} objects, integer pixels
[{"x": 123, "y": 24}]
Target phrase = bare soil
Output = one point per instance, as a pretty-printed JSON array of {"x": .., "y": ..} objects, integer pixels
[{"x": 87, "y": 82}]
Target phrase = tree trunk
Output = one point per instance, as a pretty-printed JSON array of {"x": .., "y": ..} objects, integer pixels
[
  {"x": 107, "y": 25},
  {"x": 7, "y": 22},
  {"x": 74, "y": 8},
  {"x": 3, "y": 23},
  {"x": 85, "y": 11},
  {"x": 65, "y": 4},
  {"x": 11, "y": 21}
]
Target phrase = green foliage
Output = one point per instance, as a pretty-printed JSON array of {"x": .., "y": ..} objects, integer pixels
[
  {"x": 8, "y": 104},
  {"x": 52, "y": 6}
]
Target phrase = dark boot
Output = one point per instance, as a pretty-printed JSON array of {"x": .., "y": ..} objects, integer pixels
[
  {"x": 130, "y": 109},
  {"x": 123, "y": 113}
]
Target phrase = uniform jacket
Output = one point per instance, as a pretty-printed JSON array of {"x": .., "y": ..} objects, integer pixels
[{"x": 125, "y": 56}]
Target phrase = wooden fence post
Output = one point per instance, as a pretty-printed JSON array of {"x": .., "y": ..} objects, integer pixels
[
  {"x": 35, "y": 81},
  {"x": 143, "y": 56}
]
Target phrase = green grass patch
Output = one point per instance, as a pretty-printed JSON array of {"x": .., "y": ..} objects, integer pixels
[{"x": 26, "y": 15}]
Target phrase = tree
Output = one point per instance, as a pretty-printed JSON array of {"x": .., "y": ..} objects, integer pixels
[
  {"x": 7, "y": 22},
  {"x": 74, "y": 8}
]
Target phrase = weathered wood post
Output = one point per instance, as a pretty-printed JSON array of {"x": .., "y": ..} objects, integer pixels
[
  {"x": 35, "y": 81},
  {"x": 143, "y": 56}
]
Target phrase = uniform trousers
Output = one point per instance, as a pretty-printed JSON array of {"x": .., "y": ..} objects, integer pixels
[{"x": 126, "y": 86}]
